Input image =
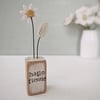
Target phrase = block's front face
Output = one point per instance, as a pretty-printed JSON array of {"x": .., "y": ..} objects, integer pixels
[{"x": 36, "y": 77}]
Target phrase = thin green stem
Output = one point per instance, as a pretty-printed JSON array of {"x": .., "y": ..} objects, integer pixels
[
  {"x": 33, "y": 38},
  {"x": 38, "y": 47}
]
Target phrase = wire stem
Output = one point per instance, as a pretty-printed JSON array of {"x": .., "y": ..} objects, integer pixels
[
  {"x": 38, "y": 47},
  {"x": 33, "y": 38}
]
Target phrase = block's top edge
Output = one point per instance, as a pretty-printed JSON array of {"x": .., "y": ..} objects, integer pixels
[{"x": 35, "y": 59}]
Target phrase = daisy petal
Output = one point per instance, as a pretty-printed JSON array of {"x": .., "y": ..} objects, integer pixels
[
  {"x": 30, "y": 6},
  {"x": 22, "y": 12},
  {"x": 24, "y": 17},
  {"x": 24, "y": 7}
]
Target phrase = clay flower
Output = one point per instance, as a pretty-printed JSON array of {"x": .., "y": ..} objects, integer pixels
[
  {"x": 43, "y": 29},
  {"x": 28, "y": 13},
  {"x": 41, "y": 32}
]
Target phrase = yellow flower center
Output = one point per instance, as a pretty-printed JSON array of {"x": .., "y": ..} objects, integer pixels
[
  {"x": 30, "y": 13},
  {"x": 85, "y": 17}
]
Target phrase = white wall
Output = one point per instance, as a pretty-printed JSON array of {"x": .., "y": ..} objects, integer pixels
[{"x": 16, "y": 35}]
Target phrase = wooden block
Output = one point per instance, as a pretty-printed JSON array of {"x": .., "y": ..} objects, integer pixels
[{"x": 36, "y": 76}]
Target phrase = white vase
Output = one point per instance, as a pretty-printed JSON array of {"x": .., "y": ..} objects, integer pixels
[{"x": 89, "y": 44}]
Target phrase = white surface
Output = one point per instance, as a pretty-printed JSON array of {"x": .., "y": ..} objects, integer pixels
[
  {"x": 69, "y": 78},
  {"x": 89, "y": 44}
]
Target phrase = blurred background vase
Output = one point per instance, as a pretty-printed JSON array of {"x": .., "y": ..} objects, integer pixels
[{"x": 89, "y": 44}]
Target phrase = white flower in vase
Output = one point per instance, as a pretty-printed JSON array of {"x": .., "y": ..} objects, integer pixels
[
  {"x": 85, "y": 16},
  {"x": 82, "y": 10},
  {"x": 85, "y": 20},
  {"x": 69, "y": 19}
]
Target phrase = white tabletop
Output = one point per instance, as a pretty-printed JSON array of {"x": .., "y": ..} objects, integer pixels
[{"x": 69, "y": 78}]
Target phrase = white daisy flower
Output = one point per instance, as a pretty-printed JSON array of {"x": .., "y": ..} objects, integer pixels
[
  {"x": 28, "y": 12},
  {"x": 69, "y": 19},
  {"x": 43, "y": 29},
  {"x": 85, "y": 16},
  {"x": 83, "y": 13},
  {"x": 85, "y": 20}
]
